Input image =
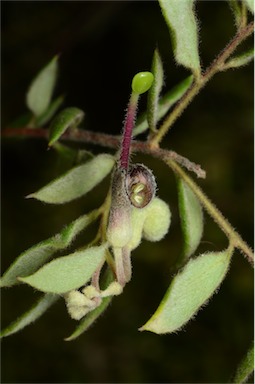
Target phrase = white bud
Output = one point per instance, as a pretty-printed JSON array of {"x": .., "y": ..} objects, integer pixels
[{"x": 157, "y": 220}]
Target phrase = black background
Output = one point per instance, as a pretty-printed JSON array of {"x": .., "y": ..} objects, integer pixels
[{"x": 102, "y": 46}]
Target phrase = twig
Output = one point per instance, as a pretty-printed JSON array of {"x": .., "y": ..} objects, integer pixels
[{"x": 108, "y": 141}]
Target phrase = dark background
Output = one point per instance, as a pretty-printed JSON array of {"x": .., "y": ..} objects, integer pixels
[{"x": 102, "y": 45}]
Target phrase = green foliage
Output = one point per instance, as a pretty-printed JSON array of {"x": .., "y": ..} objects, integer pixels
[
  {"x": 240, "y": 60},
  {"x": 30, "y": 260},
  {"x": 191, "y": 215},
  {"x": 165, "y": 103},
  {"x": 250, "y": 5},
  {"x": 154, "y": 92},
  {"x": 40, "y": 91},
  {"x": 181, "y": 20},
  {"x": 68, "y": 272},
  {"x": 245, "y": 368},
  {"x": 189, "y": 291},
  {"x": 122, "y": 224},
  {"x": 66, "y": 119},
  {"x": 70, "y": 186},
  {"x": 36, "y": 311}
]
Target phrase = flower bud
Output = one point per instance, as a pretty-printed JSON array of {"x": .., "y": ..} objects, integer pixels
[
  {"x": 138, "y": 217},
  {"x": 119, "y": 229},
  {"x": 141, "y": 185},
  {"x": 157, "y": 220}
]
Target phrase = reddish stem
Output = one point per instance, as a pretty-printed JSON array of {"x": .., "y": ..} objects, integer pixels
[{"x": 127, "y": 132}]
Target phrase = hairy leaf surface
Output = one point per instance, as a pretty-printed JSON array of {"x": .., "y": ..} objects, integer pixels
[
  {"x": 76, "y": 182},
  {"x": 180, "y": 18},
  {"x": 189, "y": 290},
  {"x": 68, "y": 272}
]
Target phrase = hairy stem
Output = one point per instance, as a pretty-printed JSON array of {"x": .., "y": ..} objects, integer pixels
[
  {"x": 108, "y": 141},
  {"x": 200, "y": 82},
  {"x": 234, "y": 238}
]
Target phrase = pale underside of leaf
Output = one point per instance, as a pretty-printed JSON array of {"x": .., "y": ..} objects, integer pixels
[
  {"x": 32, "y": 259},
  {"x": 191, "y": 216},
  {"x": 68, "y": 272},
  {"x": 41, "y": 90},
  {"x": 76, "y": 182},
  {"x": 189, "y": 291},
  {"x": 250, "y": 5},
  {"x": 50, "y": 111},
  {"x": 240, "y": 60},
  {"x": 36, "y": 311},
  {"x": 180, "y": 18}
]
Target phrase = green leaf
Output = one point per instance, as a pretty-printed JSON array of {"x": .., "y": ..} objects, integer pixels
[
  {"x": 68, "y": 272},
  {"x": 189, "y": 290},
  {"x": 165, "y": 103},
  {"x": 250, "y": 5},
  {"x": 191, "y": 216},
  {"x": 36, "y": 311},
  {"x": 154, "y": 92},
  {"x": 33, "y": 258},
  {"x": 66, "y": 119},
  {"x": 50, "y": 111},
  {"x": 41, "y": 90},
  {"x": 76, "y": 182},
  {"x": 91, "y": 317},
  {"x": 180, "y": 18},
  {"x": 245, "y": 368},
  {"x": 236, "y": 9},
  {"x": 239, "y": 61}
]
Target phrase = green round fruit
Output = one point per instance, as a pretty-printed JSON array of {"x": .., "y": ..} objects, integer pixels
[{"x": 142, "y": 82}]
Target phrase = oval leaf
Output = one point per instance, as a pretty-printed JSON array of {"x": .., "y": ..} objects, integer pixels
[
  {"x": 31, "y": 315},
  {"x": 153, "y": 95},
  {"x": 165, "y": 103},
  {"x": 180, "y": 18},
  {"x": 66, "y": 119},
  {"x": 41, "y": 90},
  {"x": 240, "y": 60},
  {"x": 76, "y": 182},
  {"x": 33, "y": 258},
  {"x": 191, "y": 215},
  {"x": 189, "y": 290},
  {"x": 68, "y": 272}
]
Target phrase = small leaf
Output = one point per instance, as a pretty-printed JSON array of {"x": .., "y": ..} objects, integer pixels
[
  {"x": 76, "y": 182},
  {"x": 236, "y": 9},
  {"x": 191, "y": 215},
  {"x": 154, "y": 92},
  {"x": 91, "y": 317},
  {"x": 245, "y": 368},
  {"x": 250, "y": 5},
  {"x": 165, "y": 103},
  {"x": 180, "y": 18},
  {"x": 37, "y": 310},
  {"x": 41, "y": 90},
  {"x": 33, "y": 258},
  {"x": 50, "y": 111},
  {"x": 66, "y": 119},
  {"x": 189, "y": 290},
  {"x": 240, "y": 60},
  {"x": 68, "y": 272}
]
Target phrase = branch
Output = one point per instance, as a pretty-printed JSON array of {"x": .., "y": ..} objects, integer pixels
[
  {"x": 197, "y": 85},
  {"x": 108, "y": 141}
]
